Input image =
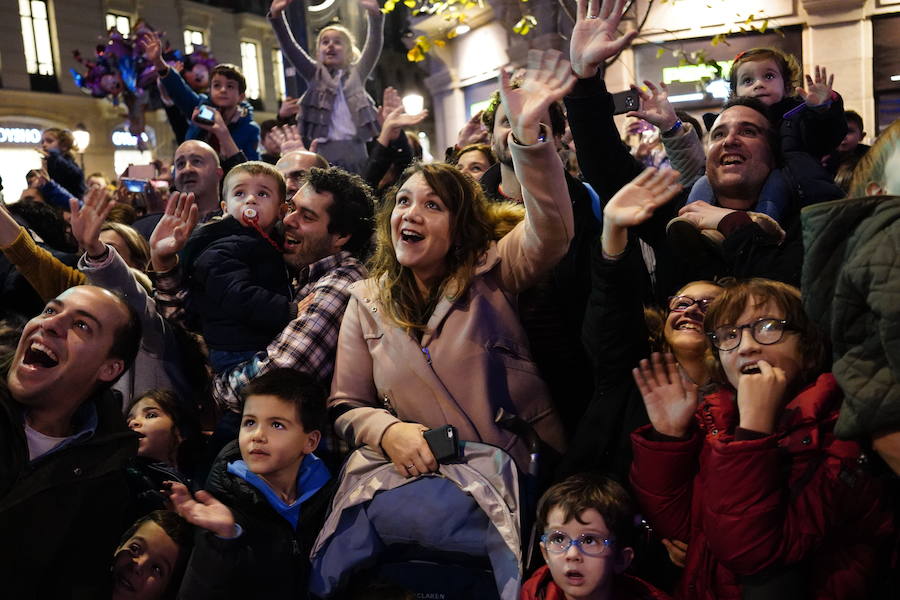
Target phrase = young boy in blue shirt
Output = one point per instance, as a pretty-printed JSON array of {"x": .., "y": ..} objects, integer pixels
[
  {"x": 227, "y": 94},
  {"x": 266, "y": 498}
]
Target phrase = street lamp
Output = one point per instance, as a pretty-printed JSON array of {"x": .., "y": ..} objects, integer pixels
[
  {"x": 82, "y": 140},
  {"x": 413, "y": 104}
]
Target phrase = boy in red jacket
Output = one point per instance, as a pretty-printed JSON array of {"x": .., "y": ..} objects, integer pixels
[
  {"x": 588, "y": 524},
  {"x": 770, "y": 503}
]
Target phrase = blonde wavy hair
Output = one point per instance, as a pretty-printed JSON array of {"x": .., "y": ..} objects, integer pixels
[
  {"x": 474, "y": 224},
  {"x": 870, "y": 168},
  {"x": 353, "y": 52}
]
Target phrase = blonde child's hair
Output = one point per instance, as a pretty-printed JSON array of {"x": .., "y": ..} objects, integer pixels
[
  {"x": 349, "y": 40},
  {"x": 256, "y": 167},
  {"x": 871, "y": 167}
]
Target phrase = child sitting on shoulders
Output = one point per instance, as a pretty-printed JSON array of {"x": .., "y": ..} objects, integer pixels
[
  {"x": 587, "y": 542},
  {"x": 227, "y": 88},
  {"x": 266, "y": 496},
  {"x": 56, "y": 152},
  {"x": 810, "y": 125},
  {"x": 240, "y": 289}
]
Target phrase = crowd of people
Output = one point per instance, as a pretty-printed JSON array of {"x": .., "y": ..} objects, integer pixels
[{"x": 296, "y": 347}]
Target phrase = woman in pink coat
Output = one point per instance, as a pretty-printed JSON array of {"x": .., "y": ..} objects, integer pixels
[{"x": 433, "y": 338}]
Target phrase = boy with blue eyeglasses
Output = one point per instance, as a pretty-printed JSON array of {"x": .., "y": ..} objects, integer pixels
[{"x": 587, "y": 525}]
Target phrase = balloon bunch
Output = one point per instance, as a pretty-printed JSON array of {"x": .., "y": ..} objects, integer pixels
[{"x": 119, "y": 72}]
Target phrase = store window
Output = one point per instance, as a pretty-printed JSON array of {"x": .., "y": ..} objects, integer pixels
[
  {"x": 36, "y": 39},
  {"x": 698, "y": 87},
  {"x": 193, "y": 37},
  {"x": 886, "y": 72},
  {"x": 17, "y": 156},
  {"x": 120, "y": 23},
  {"x": 250, "y": 66},
  {"x": 278, "y": 74}
]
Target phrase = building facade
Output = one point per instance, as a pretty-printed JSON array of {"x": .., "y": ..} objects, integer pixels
[
  {"x": 37, "y": 38},
  {"x": 856, "y": 40}
]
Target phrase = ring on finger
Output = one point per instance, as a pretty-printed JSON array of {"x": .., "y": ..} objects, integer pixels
[
  {"x": 410, "y": 467},
  {"x": 593, "y": 16}
]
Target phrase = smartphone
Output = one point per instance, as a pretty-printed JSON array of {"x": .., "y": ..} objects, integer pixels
[
  {"x": 626, "y": 101},
  {"x": 206, "y": 115},
  {"x": 443, "y": 442},
  {"x": 138, "y": 186},
  {"x": 141, "y": 172}
]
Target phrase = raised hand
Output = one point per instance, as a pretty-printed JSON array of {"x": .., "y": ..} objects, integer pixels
[
  {"x": 819, "y": 90},
  {"x": 405, "y": 445},
  {"x": 547, "y": 79},
  {"x": 670, "y": 397},
  {"x": 172, "y": 231},
  {"x": 277, "y": 7},
  {"x": 760, "y": 397},
  {"x": 153, "y": 50},
  {"x": 288, "y": 138},
  {"x": 87, "y": 220},
  {"x": 636, "y": 201},
  {"x": 595, "y": 37},
  {"x": 473, "y": 132},
  {"x": 390, "y": 99},
  {"x": 396, "y": 121},
  {"x": 289, "y": 107},
  {"x": 655, "y": 106},
  {"x": 205, "y": 511}
]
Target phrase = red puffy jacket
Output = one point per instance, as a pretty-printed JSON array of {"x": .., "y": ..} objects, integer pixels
[
  {"x": 542, "y": 587},
  {"x": 799, "y": 495}
]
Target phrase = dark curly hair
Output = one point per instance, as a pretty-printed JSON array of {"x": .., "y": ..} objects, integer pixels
[
  {"x": 583, "y": 492},
  {"x": 350, "y": 213}
]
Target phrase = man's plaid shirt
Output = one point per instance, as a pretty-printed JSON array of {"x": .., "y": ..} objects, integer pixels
[{"x": 307, "y": 344}]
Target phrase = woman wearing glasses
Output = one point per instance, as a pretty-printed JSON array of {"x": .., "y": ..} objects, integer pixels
[
  {"x": 617, "y": 332},
  {"x": 753, "y": 478}
]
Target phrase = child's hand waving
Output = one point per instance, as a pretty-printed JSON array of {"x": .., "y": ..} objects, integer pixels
[
  {"x": 818, "y": 92},
  {"x": 205, "y": 511},
  {"x": 670, "y": 397}
]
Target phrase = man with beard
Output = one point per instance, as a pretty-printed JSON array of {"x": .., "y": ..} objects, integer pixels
[
  {"x": 327, "y": 233},
  {"x": 64, "y": 446}
]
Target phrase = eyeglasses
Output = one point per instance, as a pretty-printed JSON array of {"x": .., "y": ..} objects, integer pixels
[
  {"x": 765, "y": 331},
  {"x": 558, "y": 542},
  {"x": 682, "y": 303}
]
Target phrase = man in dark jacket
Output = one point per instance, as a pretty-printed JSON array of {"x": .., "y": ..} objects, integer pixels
[
  {"x": 63, "y": 446},
  {"x": 552, "y": 311},
  {"x": 742, "y": 151}
]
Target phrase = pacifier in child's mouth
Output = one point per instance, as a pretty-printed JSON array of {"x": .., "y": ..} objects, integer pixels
[{"x": 249, "y": 214}]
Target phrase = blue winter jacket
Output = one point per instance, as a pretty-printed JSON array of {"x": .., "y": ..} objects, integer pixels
[{"x": 244, "y": 131}]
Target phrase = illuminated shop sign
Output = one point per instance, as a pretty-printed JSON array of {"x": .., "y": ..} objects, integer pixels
[
  {"x": 124, "y": 139},
  {"x": 30, "y": 136},
  {"x": 692, "y": 73}
]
